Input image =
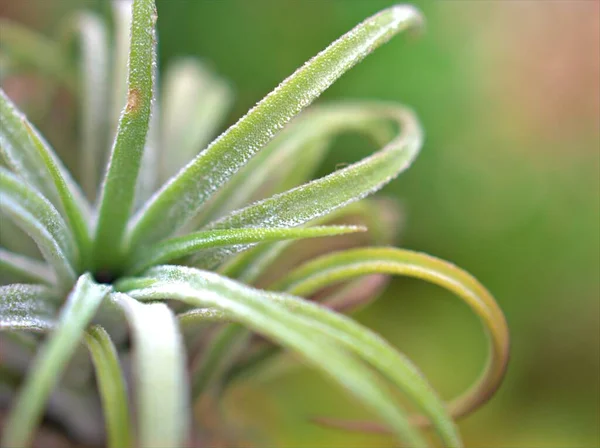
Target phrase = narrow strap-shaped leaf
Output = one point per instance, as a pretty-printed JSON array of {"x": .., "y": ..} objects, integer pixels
[
  {"x": 34, "y": 214},
  {"x": 27, "y": 154},
  {"x": 162, "y": 385},
  {"x": 380, "y": 216},
  {"x": 22, "y": 268},
  {"x": 253, "y": 309},
  {"x": 112, "y": 387},
  {"x": 292, "y": 156},
  {"x": 176, "y": 248},
  {"x": 93, "y": 96},
  {"x": 147, "y": 181},
  {"x": 27, "y": 48},
  {"x": 195, "y": 102},
  {"x": 120, "y": 181},
  {"x": 180, "y": 199},
  {"x": 51, "y": 361},
  {"x": 26, "y": 307},
  {"x": 76, "y": 217},
  {"x": 322, "y": 196},
  {"x": 341, "y": 266}
]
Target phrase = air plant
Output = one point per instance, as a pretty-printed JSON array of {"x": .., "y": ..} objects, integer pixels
[{"x": 174, "y": 270}]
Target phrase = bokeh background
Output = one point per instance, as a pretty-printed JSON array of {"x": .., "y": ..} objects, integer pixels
[{"x": 507, "y": 187}]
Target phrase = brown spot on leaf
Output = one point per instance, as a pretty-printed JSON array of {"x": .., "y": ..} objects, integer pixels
[{"x": 133, "y": 100}]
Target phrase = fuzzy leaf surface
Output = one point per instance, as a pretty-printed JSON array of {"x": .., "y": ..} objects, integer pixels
[
  {"x": 257, "y": 311},
  {"x": 36, "y": 215},
  {"x": 51, "y": 360},
  {"x": 180, "y": 199},
  {"x": 163, "y": 414},
  {"x": 119, "y": 186}
]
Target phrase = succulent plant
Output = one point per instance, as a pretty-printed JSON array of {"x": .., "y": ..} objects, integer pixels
[{"x": 211, "y": 232}]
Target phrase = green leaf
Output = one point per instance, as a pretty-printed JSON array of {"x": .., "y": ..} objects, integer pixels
[
  {"x": 179, "y": 200},
  {"x": 32, "y": 50},
  {"x": 119, "y": 185},
  {"x": 255, "y": 310},
  {"x": 20, "y": 268},
  {"x": 90, "y": 31},
  {"x": 28, "y": 155},
  {"x": 34, "y": 214},
  {"x": 163, "y": 413},
  {"x": 112, "y": 387},
  {"x": 292, "y": 156},
  {"x": 179, "y": 247},
  {"x": 26, "y": 307},
  {"x": 380, "y": 216},
  {"x": 337, "y": 267},
  {"x": 195, "y": 102},
  {"x": 76, "y": 217},
  {"x": 322, "y": 196},
  {"x": 48, "y": 365}
]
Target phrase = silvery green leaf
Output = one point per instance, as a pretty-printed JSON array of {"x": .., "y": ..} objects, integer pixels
[
  {"x": 187, "y": 245},
  {"x": 27, "y": 307},
  {"x": 163, "y": 415},
  {"x": 256, "y": 310},
  {"x": 30, "y": 156},
  {"x": 180, "y": 199},
  {"x": 118, "y": 190},
  {"x": 51, "y": 360},
  {"x": 34, "y": 214},
  {"x": 322, "y": 196},
  {"x": 292, "y": 156}
]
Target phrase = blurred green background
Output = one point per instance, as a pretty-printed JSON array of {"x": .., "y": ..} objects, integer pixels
[{"x": 507, "y": 187}]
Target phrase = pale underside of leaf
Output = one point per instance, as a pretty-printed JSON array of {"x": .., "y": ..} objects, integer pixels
[{"x": 163, "y": 413}]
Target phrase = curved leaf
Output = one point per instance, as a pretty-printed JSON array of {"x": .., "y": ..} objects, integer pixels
[
  {"x": 159, "y": 362},
  {"x": 34, "y": 214},
  {"x": 76, "y": 217},
  {"x": 180, "y": 199},
  {"x": 254, "y": 309},
  {"x": 30, "y": 156},
  {"x": 322, "y": 196},
  {"x": 119, "y": 186},
  {"x": 179, "y": 247},
  {"x": 338, "y": 267},
  {"x": 51, "y": 361},
  {"x": 112, "y": 387},
  {"x": 304, "y": 141}
]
